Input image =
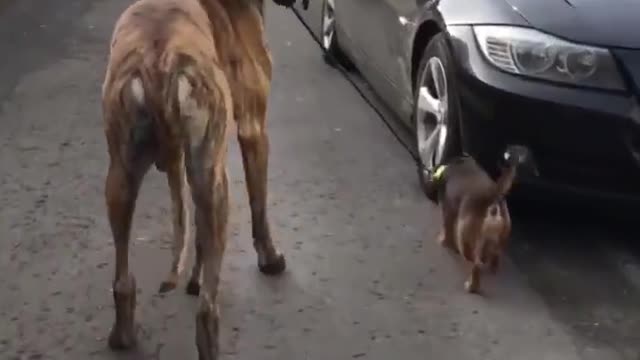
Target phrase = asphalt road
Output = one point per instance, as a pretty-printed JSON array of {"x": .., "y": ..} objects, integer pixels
[{"x": 365, "y": 280}]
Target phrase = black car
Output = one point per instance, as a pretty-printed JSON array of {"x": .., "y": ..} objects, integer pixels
[{"x": 561, "y": 77}]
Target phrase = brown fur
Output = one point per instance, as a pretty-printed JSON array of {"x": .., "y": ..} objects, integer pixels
[
  {"x": 476, "y": 220},
  {"x": 179, "y": 73}
]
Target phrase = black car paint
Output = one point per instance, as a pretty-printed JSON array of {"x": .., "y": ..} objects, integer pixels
[
  {"x": 586, "y": 141},
  {"x": 582, "y": 20},
  {"x": 478, "y": 12}
]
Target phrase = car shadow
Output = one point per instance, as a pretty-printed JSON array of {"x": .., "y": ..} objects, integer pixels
[{"x": 585, "y": 265}]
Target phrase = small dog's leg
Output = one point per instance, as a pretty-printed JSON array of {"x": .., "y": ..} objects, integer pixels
[
  {"x": 447, "y": 234},
  {"x": 503, "y": 237},
  {"x": 254, "y": 144},
  {"x": 506, "y": 231},
  {"x": 494, "y": 265},
  {"x": 472, "y": 285},
  {"x": 467, "y": 232},
  {"x": 121, "y": 193},
  {"x": 176, "y": 178},
  {"x": 468, "y": 237},
  {"x": 445, "y": 241}
]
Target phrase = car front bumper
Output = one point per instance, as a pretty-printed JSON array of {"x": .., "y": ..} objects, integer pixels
[{"x": 584, "y": 141}]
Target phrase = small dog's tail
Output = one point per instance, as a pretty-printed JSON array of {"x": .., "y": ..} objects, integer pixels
[
  {"x": 515, "y": 156},
  {"x": 505, "y": 181}
]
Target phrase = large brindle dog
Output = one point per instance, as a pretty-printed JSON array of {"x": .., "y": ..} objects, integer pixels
[{"x": 179, "y": 73}]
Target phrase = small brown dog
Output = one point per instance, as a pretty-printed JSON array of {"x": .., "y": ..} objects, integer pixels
[{"x": 476, "y": 220}]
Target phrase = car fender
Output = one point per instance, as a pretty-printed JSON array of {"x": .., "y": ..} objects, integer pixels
[{"x": 445, "y": 13}]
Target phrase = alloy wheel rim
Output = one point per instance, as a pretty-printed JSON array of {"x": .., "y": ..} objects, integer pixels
[
  {"x": 328, "y": 23},
  {"x": 432, "y": 114}
]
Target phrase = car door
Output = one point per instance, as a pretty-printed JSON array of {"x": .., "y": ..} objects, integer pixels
[
  {"x": 354, "y": 26},
  {"x": 347, "y": 15},
  {"x": 386, "y": 38}
]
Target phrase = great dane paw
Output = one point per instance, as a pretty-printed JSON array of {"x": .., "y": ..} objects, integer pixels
[
  {"x": 193, "y": 288},
  {"x": 166, "y": 286},
  {"x": 207, "y": 328},
  {"x": 275, "y": 266},
  {"x": 122, "y": 339}
]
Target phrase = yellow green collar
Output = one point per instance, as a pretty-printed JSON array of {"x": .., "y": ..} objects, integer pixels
[{"x": 437, "y": 174}]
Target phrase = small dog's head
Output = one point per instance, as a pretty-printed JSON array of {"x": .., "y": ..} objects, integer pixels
[
  {"x": 520, "y": 156},
  {"x": 516, "y": 155}
]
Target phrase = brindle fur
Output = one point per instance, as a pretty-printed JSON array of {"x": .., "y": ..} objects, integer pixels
[
  {"x": 476, "y": 220},
  {"x": 179, "y": 73}
]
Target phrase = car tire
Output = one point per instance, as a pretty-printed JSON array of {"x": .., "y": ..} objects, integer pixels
[
  {"x": 332, "y": 53},
  {"x": 436, "y": 113}
]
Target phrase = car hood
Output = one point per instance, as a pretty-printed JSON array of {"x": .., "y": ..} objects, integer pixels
[{"x": 610, "y": 23}]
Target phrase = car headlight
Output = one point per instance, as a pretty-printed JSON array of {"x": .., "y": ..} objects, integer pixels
[{"x": 529, "y": 52}]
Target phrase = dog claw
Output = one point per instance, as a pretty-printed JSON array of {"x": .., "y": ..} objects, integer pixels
[
  {"x": 274, "y": 267},
  {"x": 193, "y": 288},
  {"x": 166, "y": 286}
]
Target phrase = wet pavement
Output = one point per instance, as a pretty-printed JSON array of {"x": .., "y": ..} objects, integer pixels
[{"x": 365, "y": 279}]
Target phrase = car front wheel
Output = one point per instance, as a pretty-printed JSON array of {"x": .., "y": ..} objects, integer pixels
[{"x": 436, "y": 113}]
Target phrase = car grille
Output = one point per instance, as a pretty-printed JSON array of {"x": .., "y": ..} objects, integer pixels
[{"x": 590, "y": 173}]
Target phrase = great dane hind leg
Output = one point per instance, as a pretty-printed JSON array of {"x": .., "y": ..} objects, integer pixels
[
  {"x": 193, "y": 286},
  {"x": 210, "y": 195},
  {"x": 254, "y": 144},
  {"x": 176, "y": 178},
  {"x": 206, "y": 113},
  {"x": 121, "y": 193}
]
